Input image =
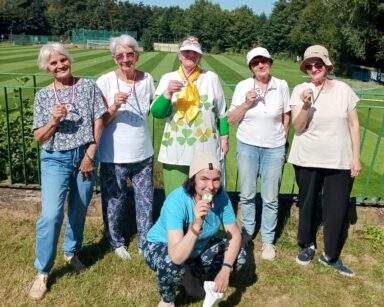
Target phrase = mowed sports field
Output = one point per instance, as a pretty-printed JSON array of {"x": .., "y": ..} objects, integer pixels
[
  {"x": 231, "y": 69},
  {"x": 110, "y": 282}
]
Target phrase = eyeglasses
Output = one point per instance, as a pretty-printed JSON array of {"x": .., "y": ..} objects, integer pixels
[
  {"x": 261, "y": 60},
  {"x": 120, "y": 56},
  {"x": 317, "y": 65}
]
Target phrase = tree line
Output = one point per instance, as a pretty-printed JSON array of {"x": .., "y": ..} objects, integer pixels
[{"x": 353, "y": 30}]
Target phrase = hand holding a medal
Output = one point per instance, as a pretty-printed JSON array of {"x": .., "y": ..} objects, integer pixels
[
  {"x": 120, "y": 98},
  {"x": 173, "y": 87},
  {"x": 250, "y": 98},
  {"x": 202, "y": 208},
  {"x": 59, "y": 111},
  {"x": 306, "y": 96}
]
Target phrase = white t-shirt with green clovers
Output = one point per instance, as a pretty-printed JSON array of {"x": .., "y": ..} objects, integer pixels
[{"x": 181, "y": 141}]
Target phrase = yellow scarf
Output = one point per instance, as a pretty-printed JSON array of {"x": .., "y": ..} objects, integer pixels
[{"x": 188, "y": 102}]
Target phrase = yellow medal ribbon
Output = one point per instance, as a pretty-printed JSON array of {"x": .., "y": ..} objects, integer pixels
[{"x": 188, "y": 102}]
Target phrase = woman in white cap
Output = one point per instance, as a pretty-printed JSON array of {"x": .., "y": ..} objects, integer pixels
[
  {"x": 193, "y": 103},
  {"x": 326, "y": 156},
  {"x": 125, "y": 147},
  {"x": 183, "y": 247},
  {"x": 260, "y": 105}
]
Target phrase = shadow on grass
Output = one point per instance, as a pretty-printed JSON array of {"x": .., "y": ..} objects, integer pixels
[
  {"x": 283, "y": 215},
  {"x": 284, "y": 212},
  {"x": 129, "y": 226},
  {"x": 93, "y": 252},
  {"x": 239, "y": 280},
  {"x": 89, "y": 255},
  {"x": 243, "y": 279}
]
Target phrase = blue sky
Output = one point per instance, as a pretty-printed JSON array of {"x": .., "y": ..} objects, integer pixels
[{"x": 258, "y": 6}]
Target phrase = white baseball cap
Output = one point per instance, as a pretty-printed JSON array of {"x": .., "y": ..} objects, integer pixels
[
  {"x": 192, "y": 44},
  {"x": 258, "y": 51}
]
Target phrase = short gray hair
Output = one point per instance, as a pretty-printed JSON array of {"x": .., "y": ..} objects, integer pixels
[
  {"x": 47, "y": 50},
  {"x": 124, "y": 41}
]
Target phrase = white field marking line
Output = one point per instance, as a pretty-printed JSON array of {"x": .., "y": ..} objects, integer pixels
[{"x": 378, "y": 100}]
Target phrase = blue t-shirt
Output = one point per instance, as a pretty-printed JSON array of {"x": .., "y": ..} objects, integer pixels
[{"x": 177, "y": 214}]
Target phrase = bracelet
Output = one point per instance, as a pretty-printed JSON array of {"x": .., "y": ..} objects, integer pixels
[
  {"x": 194, "y": 231},
  {"x": 230, "y": 266},
  {"x": 89, "y": 157}
]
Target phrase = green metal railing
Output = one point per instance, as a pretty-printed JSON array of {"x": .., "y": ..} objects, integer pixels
[{"x": 20, "y": 154}]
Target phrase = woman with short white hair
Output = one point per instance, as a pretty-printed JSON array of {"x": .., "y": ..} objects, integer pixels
[
  {"x": 67, "y": 123},
  {"x": 125, "y": 147}
]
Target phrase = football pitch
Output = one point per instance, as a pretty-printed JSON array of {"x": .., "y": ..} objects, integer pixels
[{"x": 18, "y": 69}]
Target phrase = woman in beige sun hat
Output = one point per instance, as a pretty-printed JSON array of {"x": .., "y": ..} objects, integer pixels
[{"x": 326, "y": 156}]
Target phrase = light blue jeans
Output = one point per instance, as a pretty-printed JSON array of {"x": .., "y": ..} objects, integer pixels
[
  {"x": 60, "y": 176},
  {"x": 254, "y": 161}
]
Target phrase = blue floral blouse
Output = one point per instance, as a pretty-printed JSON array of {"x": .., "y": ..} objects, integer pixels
[{"x": 77, "y": 128}]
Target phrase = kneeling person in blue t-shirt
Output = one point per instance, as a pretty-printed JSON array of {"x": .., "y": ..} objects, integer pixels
[{"x": 185, "y": 245}]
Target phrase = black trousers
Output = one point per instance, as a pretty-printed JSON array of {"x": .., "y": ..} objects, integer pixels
[{"x": 327, "y": 191}]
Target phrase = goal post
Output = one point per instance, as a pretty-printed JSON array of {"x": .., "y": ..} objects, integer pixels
[{"x": 97, "y": 43}]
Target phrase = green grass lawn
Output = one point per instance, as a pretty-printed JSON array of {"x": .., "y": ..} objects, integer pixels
[
  {"x": 109, "y": 281},
  {"x": 231, "y": 69}
]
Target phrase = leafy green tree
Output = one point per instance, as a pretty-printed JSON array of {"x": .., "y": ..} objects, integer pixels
[
  {"x": 315, "y": 27},
  {"x": 361, "y": 26},
  {"x": 23, "y": 17},
  {"x": 284, "y": 16},
  {"x": 207, "y": 21},
  {"x": 243, "y": 31}
]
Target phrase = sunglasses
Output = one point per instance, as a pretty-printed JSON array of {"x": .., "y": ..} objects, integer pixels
[
  {"x": 261, "y": 60},
  {"x": 317, "y": 65},
  {"x": 120, "y": 56}
]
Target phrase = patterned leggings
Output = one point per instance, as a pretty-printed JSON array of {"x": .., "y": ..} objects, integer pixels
[
  {"x": 205, "y": 266},
  {"x": 114, "y": 198}
]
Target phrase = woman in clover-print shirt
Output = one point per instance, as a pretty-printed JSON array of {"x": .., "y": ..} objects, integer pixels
[
  {"x": 193, "y": 103},
  {"x": 67, "y": 123}
]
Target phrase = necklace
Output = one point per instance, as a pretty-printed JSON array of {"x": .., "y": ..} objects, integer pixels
[
  {"x": 318, "y": 94},
  {"x": 185, "y": 81},
  {"x": 68, "y": 105},
  {"x": 187, "y": 75},
  {"x": 259, "y": 92},
  {"x": 131, "y": 90}
]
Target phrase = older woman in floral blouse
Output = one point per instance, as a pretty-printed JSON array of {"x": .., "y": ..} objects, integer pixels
[{"x": 67, "y": 123}]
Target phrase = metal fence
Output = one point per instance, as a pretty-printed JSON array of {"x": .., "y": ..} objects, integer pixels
[{"x": 20, "y": 160}]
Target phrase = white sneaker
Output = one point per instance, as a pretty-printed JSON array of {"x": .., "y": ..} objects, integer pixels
[
  {"x": 123, "y": 253},
  {"x": 75, "y": 262},
  {"x": 39, "y": 287},
  {"x": 164, "y": 304},
  {"x": 268, "y": 252}
]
